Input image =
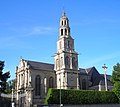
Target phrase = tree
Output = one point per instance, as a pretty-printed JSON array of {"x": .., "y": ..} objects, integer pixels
[
  {"x": 116, "y": 73},
  {"x": 116, "y": 89},
  {"x": 10, "y": 85},
  {"x": 3, "y": 78},
  {"x": 116, "y": 79}
]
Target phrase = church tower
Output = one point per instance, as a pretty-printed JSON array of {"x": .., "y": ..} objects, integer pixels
[{"x": 66, "y": 59}]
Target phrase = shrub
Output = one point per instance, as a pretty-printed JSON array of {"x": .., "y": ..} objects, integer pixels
[
  {"x": 116, "y": 89},
  {"x": 80, "y": 97}
]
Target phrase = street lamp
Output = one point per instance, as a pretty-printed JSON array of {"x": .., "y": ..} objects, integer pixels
[
  {"x": 105, "y": 68},
  {"x": 12, "y": 98},
  {"x": 60, "y": 90},
  {"x": 59, "y": 76}
]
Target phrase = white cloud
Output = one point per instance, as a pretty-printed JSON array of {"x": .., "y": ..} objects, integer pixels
[
  {"x": 38, "y": 30},
  {"x": 20, "y": 34}
]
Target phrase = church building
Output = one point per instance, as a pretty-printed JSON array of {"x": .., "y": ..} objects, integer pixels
[{"x": 35, "y": 78}]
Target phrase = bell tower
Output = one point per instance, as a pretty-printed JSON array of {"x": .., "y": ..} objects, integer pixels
[{"x": 66, "y": 59}]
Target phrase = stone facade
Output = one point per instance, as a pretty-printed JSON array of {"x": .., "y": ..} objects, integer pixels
[
  {"x": 35, "y": 78},
  {"x": 66, "y": 59}
]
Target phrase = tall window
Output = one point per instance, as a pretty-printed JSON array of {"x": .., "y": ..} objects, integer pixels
[
  {"x": 73, "y": 62},
  {"x": 51, "y": 82},
  {"x": 37, "y": 85},
  {"x": 61, "y": 31},
  {"x": 22, "y": 81},
  {"x": 19, "y": 80},
  {"x": 65, "y": 22},
  {"x": 27, "y": 77},
  {"x": 65, "y": 31},
  {"x": 67, "y": 61},
  {"x": 57, "y": 64},
  {"x": 68, "y": 44},
  {"x": 62, "y": 22},
  {"x": 84, "y": 84}
]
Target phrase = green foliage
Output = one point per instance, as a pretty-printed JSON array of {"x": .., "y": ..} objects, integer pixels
[
  {"x": 80, "y": 97},
  {"x": 9, "y": 86},
  {"x": 116, "y": 73},
  {"x": 1, "y": 65},
  {"x": 116, "y": 89},
  {"x": 116, "y": 79},
  {"x": 3, "y": 78}
]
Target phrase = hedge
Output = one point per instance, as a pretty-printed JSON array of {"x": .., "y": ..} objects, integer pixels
[{"x": 80, "y": 97}]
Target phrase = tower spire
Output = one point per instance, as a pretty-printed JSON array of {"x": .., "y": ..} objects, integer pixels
[{"x": 66, "y": 59}]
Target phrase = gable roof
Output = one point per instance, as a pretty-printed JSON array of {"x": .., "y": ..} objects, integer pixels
[
  {"x": 40, "y": 65},
  {"x": 95, "y": 77}
]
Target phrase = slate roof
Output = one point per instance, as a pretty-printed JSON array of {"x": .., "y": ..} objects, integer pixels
[
  {"x": 82, "y": 71},
  {"x": 41, "y": 65},
  {"x": 96, "y": 77},
  {"x": 102, "y": 82},
  {"x": 108, "y": 76}
]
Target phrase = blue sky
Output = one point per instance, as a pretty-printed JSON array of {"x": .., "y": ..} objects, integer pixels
[{"x": 29, "y": 28}]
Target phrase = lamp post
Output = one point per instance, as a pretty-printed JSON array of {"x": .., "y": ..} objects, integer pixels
[
  {"x": 60, "y": 90},
  {"x": 105, "y": 68},
  {"x": 12, "y": 98},
  {"x": 59, "y": 76}
]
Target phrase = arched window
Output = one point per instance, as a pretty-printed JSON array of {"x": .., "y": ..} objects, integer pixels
[
  {"x": 61, "y": 31},
  {"x": 22, "y": 81},
  {"x": 68, "y": 44},
  {"x": 51, "y": 82},
  {"x": 37, "y": 85},
  {"x": 84, "y": 84},
  {"x": 19, "y": 79},
  {"x": 65, "y": 22},
  {"x": 57, "y": 63},
  {"x": 73, "y": 62},
  {"x": 65, "y": 31},
  {"x": 67, "y": 61},
  {"x": 62, "y": 22}
]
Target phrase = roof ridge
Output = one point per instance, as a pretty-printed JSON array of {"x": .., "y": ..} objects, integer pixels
[{"x": 39, "y": 62}]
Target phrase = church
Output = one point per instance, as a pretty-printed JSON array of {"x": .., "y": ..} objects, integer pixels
[{"x": 35, "y": 78}]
